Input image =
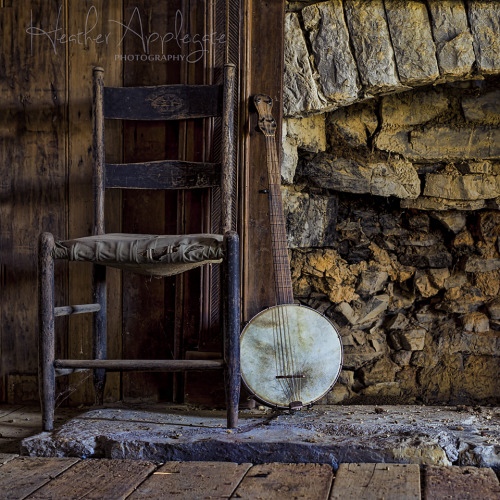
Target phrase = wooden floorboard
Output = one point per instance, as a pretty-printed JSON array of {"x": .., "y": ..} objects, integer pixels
[
  {"x": 97, "y": 479},
  {"x": 23, "y": 475},
  {"x": 460, "y": 483},
  {"x": 376, "y": 481},
  {"x": 278, "y": 481},
  {"x": 180, "y": 480}
]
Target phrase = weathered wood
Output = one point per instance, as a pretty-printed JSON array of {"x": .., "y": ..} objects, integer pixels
[
  {"x": 81, "y": 61},
  {"x": 262, "y": 73},
  {"x": 460, "y": 483},
  {"x": 171, "y": 365},
  {"x": 22, "y": 476},
  {"x": 76, "y": 309},
  {"x": 6, "y": 457},
  {"x": 375, "y": 481},
  {"x": 278, "y": 481},
  {"x": 163, "y": 175},
  {"x": 97, "y": 479},
  {"x": 46, "y": 338},
  {"x": 32, "y": 186},
  {"x": 232, "y": 327},
  {"x": 165, "y": 102},
  {"x": 180, "y": 480}
]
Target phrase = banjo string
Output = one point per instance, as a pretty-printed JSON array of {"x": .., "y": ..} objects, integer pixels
[{"x": 283, "y": 294}]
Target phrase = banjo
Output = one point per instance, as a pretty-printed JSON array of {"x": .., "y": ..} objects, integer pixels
[{"x": 291, "y": 355}]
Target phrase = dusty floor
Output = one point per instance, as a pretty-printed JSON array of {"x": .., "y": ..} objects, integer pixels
[{"x": 326, "y": 434}]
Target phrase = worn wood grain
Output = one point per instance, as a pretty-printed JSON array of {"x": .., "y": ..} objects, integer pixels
[
  {"x": 80, "y": 63},
  {"x": 97, "y": 479},
  {"x": 180, "y": 480},
  {"x": 22, "y": 476},
  {"x": 32, "y": 186},
  {"x": 376, "y": 481},
  {"x": 460, "y": 483},
  {"x": 7, "y": 457},
  {"x": 163, "y": 175},
  {"x": 263, "y": 74},
  {"x": 168, "y": 102},
  {"x": 277, "y": 481}
]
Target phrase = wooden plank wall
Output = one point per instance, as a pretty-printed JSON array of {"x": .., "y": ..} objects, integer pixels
[
  {"x": 45, "y": 89},
  {"x": 45, "y": 155}
]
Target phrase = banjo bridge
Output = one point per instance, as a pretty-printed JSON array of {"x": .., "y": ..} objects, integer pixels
[{"x": 290, "y": 376}]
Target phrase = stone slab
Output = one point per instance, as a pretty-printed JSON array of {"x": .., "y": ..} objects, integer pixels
[{"x": 324, "y": 434}]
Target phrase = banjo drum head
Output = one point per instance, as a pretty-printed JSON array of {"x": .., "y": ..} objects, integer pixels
[{"x": 290, "y": 353}]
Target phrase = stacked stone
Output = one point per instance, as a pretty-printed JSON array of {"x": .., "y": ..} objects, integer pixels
[{"x": 391, "y": 189}]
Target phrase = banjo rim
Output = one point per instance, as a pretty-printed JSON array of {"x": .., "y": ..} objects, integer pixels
[{"x": 261, "y": 400}]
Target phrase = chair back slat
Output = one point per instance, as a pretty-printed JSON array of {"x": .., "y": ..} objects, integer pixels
[
  {"x": 162, "y": 175},
  {"x": 163, "y": 102}
]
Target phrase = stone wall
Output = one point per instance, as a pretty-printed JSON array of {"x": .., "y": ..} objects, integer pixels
[{"x": 391, "y": 189}]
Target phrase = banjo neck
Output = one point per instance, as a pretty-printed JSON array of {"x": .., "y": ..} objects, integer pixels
[{"x": 281, "y": 263}]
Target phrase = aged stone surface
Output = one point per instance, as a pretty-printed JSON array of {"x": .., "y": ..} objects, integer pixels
[
  {"x": 356, "y": 124},
  {"x": 412, "y": 41},
  {"x": 372, "y": 45},
  {"x": 454, "y": 221},
  {"x": 436, "y": 203},
  {"x": 394, "y": 178},
  {"x": 485, "y": 26},
  {"x": 454, "y": 43},
  {"x": 483, "y": 109},
  {"x": 300, "y": 93},
  {"x": 462, "y": 187},
  {"x": 444, "y": 142},
  {"x": 310, "y": 219},
  {"x": 329, "y": 39}
]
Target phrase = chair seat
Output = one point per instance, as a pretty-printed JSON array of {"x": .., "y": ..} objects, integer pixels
[{"x": 147, "y": 254}]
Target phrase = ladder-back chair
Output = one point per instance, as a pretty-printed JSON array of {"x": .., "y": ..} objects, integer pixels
[{"x": 153, "y": 255}]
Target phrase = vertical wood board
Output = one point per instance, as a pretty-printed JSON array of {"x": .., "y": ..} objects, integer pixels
[
  {"x": 277, "y": 481},
  {"x": 460, "y": 483},
  {"x": 375, "y": 481},
  {"x": 97, "y": 479},
  {"x": 180, "y": 480},
  {"x": 22, "y": 476}
]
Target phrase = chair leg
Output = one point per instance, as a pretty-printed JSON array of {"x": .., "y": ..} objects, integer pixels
[
  {"x": 99, "y": 329},
  {"x": 231, "y": 324},
  {"x": 46, "y": 338}
]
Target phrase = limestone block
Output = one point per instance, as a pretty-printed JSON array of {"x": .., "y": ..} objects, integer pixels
[
  {"x": 356, "y": 123},
  {"x": 477, "y": 265},
  {"x": 358, "y": 356},
  {"x": 435, "y": 203},
  {"x": 412, "y": 340},
  {"x": 453, "y": 221},
  {"x": 289, "y": 160},
  {"x": 494, "y": 308},
  {"x": 411, "y": 37},
  {"x": 462, "y": 187},
  {"x": 444, "y": 142},
  {"x": 338, "y": 394},
  {"x": 383, "y": 390},
  {"x": 329, "y": 38},
  {"x": 454, "y": 42},
  {"x": 300, "y": 93},
  {"x": 397, "y": 322},
  {"x": 425, "y": 257},
  {"x": 346, "y": 378},
  {"x": 347, "y": 312},
  {"x": 413, "y": 108},
  {"x": 309, "y": 132},
  {"x": 402, "y": 358},
  {"x": 371, "y": 281},
  {"x": 395, "y": 141},
  {"x": 396, "y": 177},
  {"x": 461, "y": 300},
  {"x": 310, "y": 219},
  {"x": 485, "y": 26},
  {"x": 372, "y": 45},
  {"x": 383, "y": 370},
  {"x": 375, "y": 306},
  {"x": 476, "y": 322},
  {"x": 424, "y": 285},
  {"x": 485, "y": 108}
]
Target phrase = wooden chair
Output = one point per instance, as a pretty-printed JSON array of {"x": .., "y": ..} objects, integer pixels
[{"x": 164, "y": 255}]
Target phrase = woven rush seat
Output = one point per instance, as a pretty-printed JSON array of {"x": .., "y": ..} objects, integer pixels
[{"x": 151, "y": 255}]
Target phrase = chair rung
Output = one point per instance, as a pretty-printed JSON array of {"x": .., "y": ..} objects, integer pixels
[
  {"x": 169, "y": 365},
  {"x": 78, "y": 309}
]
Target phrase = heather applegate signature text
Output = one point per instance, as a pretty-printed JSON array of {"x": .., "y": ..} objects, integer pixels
[{"x": 175, "y": 44}]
